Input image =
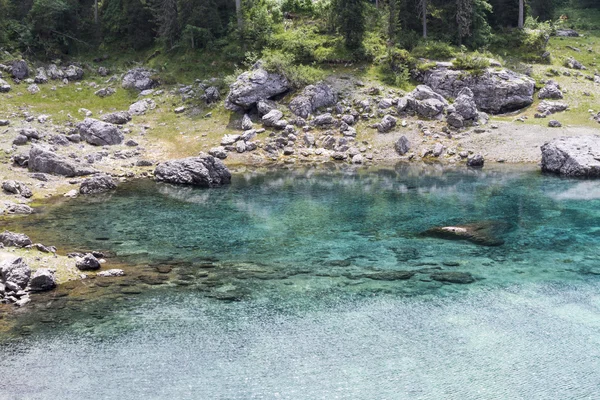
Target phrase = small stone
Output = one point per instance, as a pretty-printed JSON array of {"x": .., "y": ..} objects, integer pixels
[
  {"x": 475, "y": 161},
  {"x": 111, "y": 273},
  {"x": 179, "y": 110},
  {"x": 554, "y": 124}
]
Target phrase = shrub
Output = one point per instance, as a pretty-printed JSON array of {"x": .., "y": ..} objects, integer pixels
[
  {"x": 297, "y": 74},
  {"x": 471, "y": 62},
  {"x": 434, "y": 50}
]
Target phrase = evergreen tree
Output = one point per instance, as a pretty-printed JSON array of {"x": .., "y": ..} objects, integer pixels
[{"x": 351, "y": 21}]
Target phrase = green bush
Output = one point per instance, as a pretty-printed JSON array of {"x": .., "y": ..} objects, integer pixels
[
  {"x": 474, "y": 63},
  {"x": 395, "y": 67},
  {"x": 434, "y": 51},
  {"x": 297, "y": 74}
]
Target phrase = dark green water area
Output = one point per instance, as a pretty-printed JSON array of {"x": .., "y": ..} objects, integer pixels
[{"x": 319, "y": 284}]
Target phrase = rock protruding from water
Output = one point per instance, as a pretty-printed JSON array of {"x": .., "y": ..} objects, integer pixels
[
  {"x": 15, "y": 271},
  {"x": 97, "y": 184},
  {"x": 204, "y": 170},
  {"x": 100, "y": 133},
  {"x": 493, "y": 91},
  {"x": 475, "y": 161},
  {"x": 139, "y": 79},
  {"x": 87, "y": 263},
  {"x": 255, "y": 85},
  {"x": 44, "y": 160},
  {"x": 481, "y": 233},
  {"x": 111, "y": 273},
  {"x": 312, "y": 98},
  {"x": 572, "y": 156},
  {"x": 12, "y": 239},
  {"x": 42, "y": 280}
]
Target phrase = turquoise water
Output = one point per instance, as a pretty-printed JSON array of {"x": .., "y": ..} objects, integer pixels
[{"x": 282, "y": 287}]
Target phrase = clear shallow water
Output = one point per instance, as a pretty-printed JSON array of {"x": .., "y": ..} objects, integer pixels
[{"x": 295, "y": 247}]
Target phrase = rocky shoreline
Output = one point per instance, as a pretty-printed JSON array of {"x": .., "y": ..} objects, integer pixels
[{"x": 340, "y": 120}]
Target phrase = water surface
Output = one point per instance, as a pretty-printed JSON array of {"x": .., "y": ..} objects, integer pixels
[{"x": 276, "y": 290}]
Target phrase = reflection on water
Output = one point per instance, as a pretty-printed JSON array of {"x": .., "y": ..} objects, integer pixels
[{"x": 335, "y": 292}]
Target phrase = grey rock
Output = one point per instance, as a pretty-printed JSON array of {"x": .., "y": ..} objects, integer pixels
[
  {"x": 572, "y": 156},
  {"x": 455, "y": 120},
  {"x": 348, "y": 119},
  {"x": 59, "y": 140},
  {"x": 42, "y": 280},
  {"x": 111, "y": 273},
  {"x": 312, "y": 98},
  {"x": 4, "y": 86},
  {"x": 438, "y": 149},
  {"x": 30, "y": 133},
  {"x": 99, "y": 133},
  {"x": 20, "y": 70},
  {"x": 87, "y": 263},
  {"x": 265, "y": 106},
  {"x": 323, "y": 119},
  {"x": 426, "y": 103},
  {"x": 74, "y": 73},
  {"x": 309, "y": 140},
  {"x": 33, "y": 89},
  {"x": 212, "y": 94},
  {"x": 117, "y": 118},
  {"x": 105, "y": 92},
  {"x": 246, "y": 122},
  {"x": 141, "y": 107},
  {"x": 46, "y": 161},
  {"x": 384, "y": 104},
  {"x": 139, "y": 79},
  {"x": 20, "y": 140},
  {"x": 493, "y": 91},
  {"x": 14, "y": 239},
  {"x": 18, "y": 209},
  {"x": 357, "y": 159},
  {"x": 15, "y": 271},
  {"x": 131, "y": 143},
  {"x": 228, "y": 140},
  {"x": 40, "y": 76},
  {"x": 253, "y": 86},
  {"x": 102, "y": 71},
  {"x": 15, "y": 187},
  {"x": 4, "y": 122},
  {"x": 218, "y": 152},
  {"x": 248, "y": 135},
  {"x": 554, "y": 124},
  {"x": 240, "y": 146},
  {"x": 74, "y": 138},
  {"x": 574, "y": 64},
  {"x": 387, "y": 124},
  {"x": 475, "y": 161},
  {"x": 271, "y": 117},
  {"x": 567, "y": 33},
  {"x": 144, "y": 163},
  {"x": 54, "y": 72},
  {"x": 402, "y": 145},
  {"x": 288, "y": 151},
  {"x": 551, "y": 107},
  {"x": 465, "y": 106},
  {"x": 97, "y": 184},
  {"x": 550, "y": 91},
  {"x": 204, "y": 170}
]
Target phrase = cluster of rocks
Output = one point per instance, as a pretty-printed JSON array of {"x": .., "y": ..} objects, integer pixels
[
  {"x": 20, "y": 72},
  {"x": 203, "y": 170},
  {"x": 17, "y": 188}
]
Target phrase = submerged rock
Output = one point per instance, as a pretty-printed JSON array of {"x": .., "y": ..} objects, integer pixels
[
  {"x": 481, "y": 233},
  {"x": 572, "y": 156},
  {"x": 204, "y": 170},
  {"x": 453, "y": 277},
  {"x": 111, "y": 273}
]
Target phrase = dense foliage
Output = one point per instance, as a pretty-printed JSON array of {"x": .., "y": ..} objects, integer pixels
[{"x": 304, "y": 31}]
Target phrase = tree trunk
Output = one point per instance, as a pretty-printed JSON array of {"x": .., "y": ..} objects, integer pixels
[
  {"x": 424, "y": 12},
  {"x": 238, "y": 13},
  {"x": 521, "y": 13},
  {"x": 96, "y": 12}
]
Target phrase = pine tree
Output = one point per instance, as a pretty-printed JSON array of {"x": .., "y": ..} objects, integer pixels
[
  {"x": 464, "y": 18},
  {"x": 351, "y": 21}
]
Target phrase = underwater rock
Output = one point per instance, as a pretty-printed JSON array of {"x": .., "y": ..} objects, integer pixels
[
  {"x": 453, "y": 277},
  {"x": 481, "y": 233},
  {"x": 388, "y": 275}
]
